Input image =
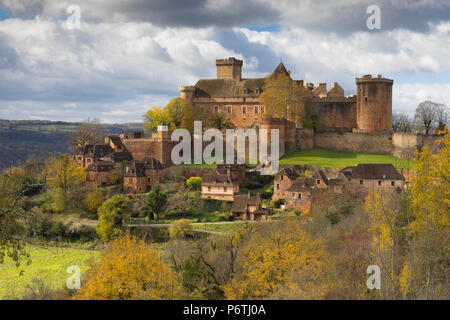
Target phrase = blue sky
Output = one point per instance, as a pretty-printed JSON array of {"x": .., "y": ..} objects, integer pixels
[{"x": 129, "y": 55}]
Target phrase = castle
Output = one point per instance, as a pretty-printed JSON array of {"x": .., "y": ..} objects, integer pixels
[{"x": 369, "y": 110}]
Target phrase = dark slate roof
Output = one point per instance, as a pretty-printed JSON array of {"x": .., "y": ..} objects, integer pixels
[
  {"x": 321, "y": 175},
  {"x": 289, "y": 172},
  {"x": 222, "y": 168},
  {"x": 262, "y": 211},
  {"x": 302, "y": 184},
  {"x": 241, "y": 201},
  {"x": 101, "y": 166},
  {"x": 228, "y": 87},
  {"x": 281, "y": 69},
  {"x": 115, "y": 140},
  {"x": 376, "y": 171},
  {"x": 336, "y": 182},
  {"x": 135, "y": 169},
  {"x": 120, "y": 156},
  {"x": 216, "y": 178},
  {"x": 152, "y": 163},
  {"x": 94, "y": 151}
]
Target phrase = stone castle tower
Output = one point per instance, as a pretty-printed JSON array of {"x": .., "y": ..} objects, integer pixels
[
  {"x": 374, "y": 103},
  {"x": 230, "y": 69}
]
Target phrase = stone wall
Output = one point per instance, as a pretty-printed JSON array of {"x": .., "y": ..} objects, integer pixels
[
  {"x": 355, "y": 142},
  {"x": 304, "y": 138}
]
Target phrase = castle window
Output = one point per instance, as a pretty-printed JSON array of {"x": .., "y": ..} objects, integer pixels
[
  {"x": 299, "y": 195},
  {"x": 209, "y": 188},
  {"x": 318, "y": 181},
  {"x": 281, "y": 178},
  {"x": 261, "y": 109},
  {"x": 244, "y": 109},
  {"x": 393, "y": 183},
  {"x": 224, "y": 189},
  {"x": 229, "y": 109},
  {"x": 246, "y": 91},
  {"x": 278, "y": 186},
  {"x": 293, "y": 195},
  {"x": 361, "y": 182},
  {"x": 379, "y": 182},
  {"x": 256, "y": 109},
  {"x": 365, "y": 99},
  {"x": 216, "y": 109},
  {"x": 257, "y": 91}
]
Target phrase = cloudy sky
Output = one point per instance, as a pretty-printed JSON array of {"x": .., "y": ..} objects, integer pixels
[{"x": 131, "y": 54}]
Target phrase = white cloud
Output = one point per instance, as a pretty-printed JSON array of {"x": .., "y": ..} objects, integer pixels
[{"x": 116, "y": 71}]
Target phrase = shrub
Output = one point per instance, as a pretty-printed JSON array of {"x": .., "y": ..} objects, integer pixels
[
  {"x": 266, "y": 194},
  {"x": 111, "y": 216},
  {"x": 94, "y": 200},
  {"x": 194, "y": 183},
  {"x": 180, "y": 229}
]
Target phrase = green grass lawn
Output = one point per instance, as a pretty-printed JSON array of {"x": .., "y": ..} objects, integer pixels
[
  {"x": 229, "y": 227},
  {"x": 49, "y": 264},
  {"x": 341, "y": 159}
]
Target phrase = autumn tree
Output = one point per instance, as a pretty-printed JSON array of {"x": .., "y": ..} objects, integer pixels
[
  {"x": 429, "y": 215},
  {"x": 156, "y": 202},
  {"x": 386, "y": 216},
  {"x": 64, "y": 174},
  {"x": 283, "y": 263},
  {"x": 15, "y": 185},
  {"x": 179, "y": 113},
  {"x": 194, "y": 183},
  {"x": 112, "y": 216},
  {"x": 130, "y": 269},
  {"x": 94, "y": 200},
  {"x": 283, "y": 98},
  {"x": 220, "y": 121},
  {"x": 88, "y": 132},
  {"x": 431, "y": 115},
  {"x": 180, "y": 229},
  {"x": 153, "y": 118}
]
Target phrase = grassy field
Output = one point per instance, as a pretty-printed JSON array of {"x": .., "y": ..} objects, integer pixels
[
  {"x": 48, "y": 264},
  {"x": 341, "y": 159}
]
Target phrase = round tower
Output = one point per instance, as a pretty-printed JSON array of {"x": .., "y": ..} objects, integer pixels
[
  {"x": 187, "y": 92},
  {"x": 374, "y": 103}
]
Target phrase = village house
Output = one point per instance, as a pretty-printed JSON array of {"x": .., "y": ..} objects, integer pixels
[
  {"x": 248, "y": 207},
  {"x": 89, "y": 153},
  {"x": 98, "y": 173},
  {"x": 219, "y": 186},
  {"x": 234, "y": 171},
  {"x": 282, "y": 181},
  {"x": 299, "y": 194},
  {"x": 373, "y": 176},
  {"x": 141, "y": 175}
]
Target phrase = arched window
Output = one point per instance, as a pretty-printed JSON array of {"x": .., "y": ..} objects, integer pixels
[
  {"x": 244, "y": 109},
  {"x": 256, "y": 110}
]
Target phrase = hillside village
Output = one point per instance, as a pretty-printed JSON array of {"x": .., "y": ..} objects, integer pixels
[{"x": 365, "y": 118}]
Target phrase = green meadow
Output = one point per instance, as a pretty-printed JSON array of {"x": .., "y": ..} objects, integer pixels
[
  {"x": 48, "y": 266},
  {"x": 341, "y": 159}
]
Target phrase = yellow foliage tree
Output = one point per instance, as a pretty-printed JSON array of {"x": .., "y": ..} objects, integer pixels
[
  {"x": 283, "y": 98},
  {"x": 430, "y": 220},
  {"x": 179, "y": 114},
  {"x": 287, "y": 263},
  {"x": 64, "y": 173},
  {"x": 130, "y": 270},
  {"x": 153, "y": 118}
]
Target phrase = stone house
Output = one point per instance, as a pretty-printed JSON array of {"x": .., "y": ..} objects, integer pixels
[
  {"x": 234, "y": 171},
  {"x": 299, "y": 194},
  {"x": 283, "y": 180},
  {"x": 248, "y": 206},
  {"x": 219, "y": 186},
  {"x": 89, "y": 154},
  {"x": 141, "y": 175},
  {"x": 373, "y": 176},
  {"x": 97, "y": 173}
]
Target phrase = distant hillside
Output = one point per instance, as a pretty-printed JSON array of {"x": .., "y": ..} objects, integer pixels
[{"x": 21, "y": 139}]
